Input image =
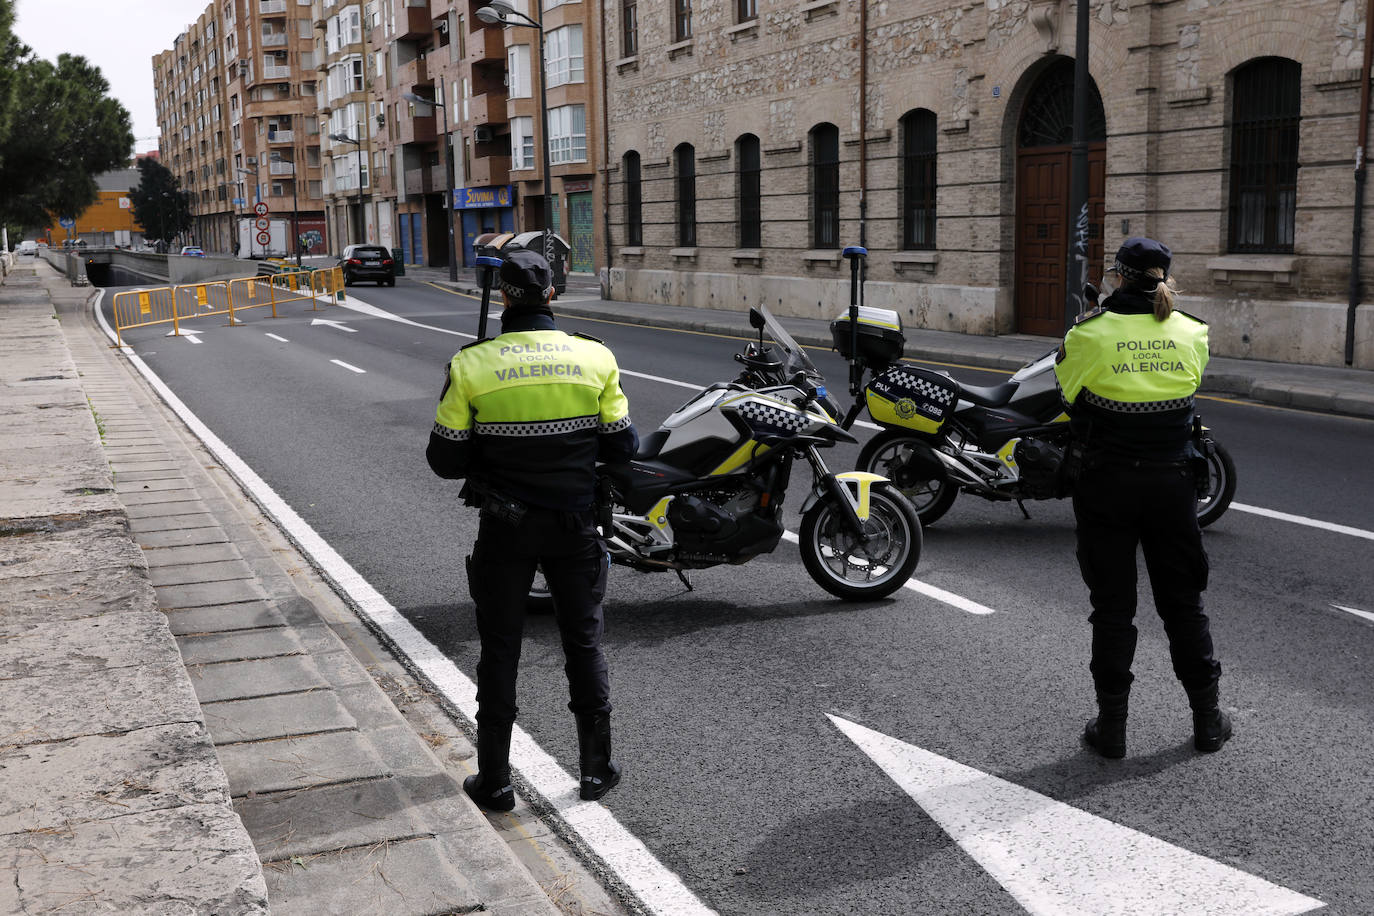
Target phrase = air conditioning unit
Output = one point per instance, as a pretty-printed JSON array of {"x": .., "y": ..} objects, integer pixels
[{"x": 483, "y": 135}]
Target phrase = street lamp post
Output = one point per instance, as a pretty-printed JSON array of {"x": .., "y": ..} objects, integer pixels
[
  {"x": 245, "y": 200},
  {"x": 448, "y": 179},
  {"x": 295, "y": 230},
  {"x": 498, "y": 12},
  {"x": 345, "y": 138}
]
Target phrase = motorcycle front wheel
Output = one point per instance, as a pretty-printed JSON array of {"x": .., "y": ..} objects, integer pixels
[
  {"x": 855, "y": 570},
  {"x": 889, "y": 454},
  {"x": 1221, "y": 486}
]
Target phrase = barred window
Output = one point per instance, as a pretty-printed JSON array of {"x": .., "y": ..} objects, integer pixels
[
  {"x": 918, "y": 179},
  {"x": 629, "y": 28},
  {"x": 682, "y": 20},
  {"x": 750, "y": 191},
  {"x": 1266, "y": 107},
  {"x": 685, "y": 162},
  {"x": 825, "y": 186},
  {"x": 634, "y": 206}
]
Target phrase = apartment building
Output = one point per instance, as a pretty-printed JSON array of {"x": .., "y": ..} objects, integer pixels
[
  {"x": 236, "y": 102},
  {"x": 751, "y": 140}
]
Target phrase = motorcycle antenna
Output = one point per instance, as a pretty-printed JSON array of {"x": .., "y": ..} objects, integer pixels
[
  {"x": 857, "y": 257},
  {"x": 486, "y": 269}
]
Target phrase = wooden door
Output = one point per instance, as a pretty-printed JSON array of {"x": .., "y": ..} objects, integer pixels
[{"x": 1042, "y": 234}]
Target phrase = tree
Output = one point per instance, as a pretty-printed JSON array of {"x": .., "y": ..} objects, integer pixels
[
  {"x": 158, "y": 204},
  {"x": 63, "y": 131}
]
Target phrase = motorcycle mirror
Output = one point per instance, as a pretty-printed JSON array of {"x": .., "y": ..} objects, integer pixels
[
  {"x": 756, "y": 319},
  {"x": 1090, "y": 293}
]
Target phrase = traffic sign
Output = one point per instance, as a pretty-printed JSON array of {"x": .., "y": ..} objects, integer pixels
[
  {"x": 260, "y": 208},
  {"x": 239, "y": 201},
  {"x": 67, "y": 222},
  {"x": 262, "y": 222},
  {"x": 264, "y": 238}
]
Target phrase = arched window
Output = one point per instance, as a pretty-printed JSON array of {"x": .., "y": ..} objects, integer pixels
[
  {"x": 1266, "y": 106},
  {"x": 685, "y": 166},
  {"x": 917, "y": 129},
  {"x": 634, "y": 201},
  {"x": 825, "y": 186},
  {"x": 750, "y": 191}
]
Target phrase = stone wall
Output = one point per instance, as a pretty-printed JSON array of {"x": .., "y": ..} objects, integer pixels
[{"x": 1163, "y": 73}]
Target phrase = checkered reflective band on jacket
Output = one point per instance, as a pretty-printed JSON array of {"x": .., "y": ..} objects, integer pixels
[{"x": 537, "y": 409}]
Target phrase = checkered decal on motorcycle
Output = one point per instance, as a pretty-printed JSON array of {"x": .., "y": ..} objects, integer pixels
[
  {"x": 766, "y": 417},
  {"x": 916, "y": 392}
]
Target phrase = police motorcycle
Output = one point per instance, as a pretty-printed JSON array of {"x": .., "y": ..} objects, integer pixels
[
  {"x": 940, "y": 437},
  {"x": 707, "y": 487}
]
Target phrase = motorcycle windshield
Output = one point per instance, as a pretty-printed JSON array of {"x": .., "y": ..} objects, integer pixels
[{"x": 794, "y": 359}]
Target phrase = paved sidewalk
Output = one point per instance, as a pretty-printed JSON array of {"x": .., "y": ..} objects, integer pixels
[
  {"x": 1337, "y": 390},
  {"x": 263, "y": 761}
]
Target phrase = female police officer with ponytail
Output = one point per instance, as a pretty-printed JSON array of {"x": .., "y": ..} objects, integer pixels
[{"x": 1128, "y": 372}]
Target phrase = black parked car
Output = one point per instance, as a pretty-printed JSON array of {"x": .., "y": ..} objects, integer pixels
[{"x": 368, "y": 262}]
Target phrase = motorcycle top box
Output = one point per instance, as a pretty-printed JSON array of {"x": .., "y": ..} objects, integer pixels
[
  {"x": 880, "y": 337},
  {"x": 909, "y": 397}
]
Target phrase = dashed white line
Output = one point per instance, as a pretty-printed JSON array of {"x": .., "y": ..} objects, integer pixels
[
  {"x": 1304, "y": 520},
  {"x": 930, "y": 591},
  {"x": 275, "y": 337},
  {"x": 339, "y": 362}
]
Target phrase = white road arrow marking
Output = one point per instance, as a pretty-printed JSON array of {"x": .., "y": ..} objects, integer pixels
[
  {"x": 334, "y": 324},
  {"x": 1367, "y": 615},
  {"x": 189, "y": 335},
  {"x": 1056, "y": 859}
]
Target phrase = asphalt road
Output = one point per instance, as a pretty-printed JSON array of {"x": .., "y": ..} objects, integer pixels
[{"x": 737, "y": 778}]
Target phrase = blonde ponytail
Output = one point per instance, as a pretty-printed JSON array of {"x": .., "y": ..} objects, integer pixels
[{"x": 1165, "y": 292}]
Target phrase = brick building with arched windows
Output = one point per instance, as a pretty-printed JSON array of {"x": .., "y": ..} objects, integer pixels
[{"x": 749, "y": 142}]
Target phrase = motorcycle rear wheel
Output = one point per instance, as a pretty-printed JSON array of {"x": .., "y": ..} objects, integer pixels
[
  {"x": 888, "y": 454},
  {"x": 1221, "y": 487},
  {"x": 856, "y": 571}
]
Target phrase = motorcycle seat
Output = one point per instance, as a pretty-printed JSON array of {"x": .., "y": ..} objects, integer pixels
[
  {"x": 993, "y": 396},
  {"x": 651, "y": 445}
]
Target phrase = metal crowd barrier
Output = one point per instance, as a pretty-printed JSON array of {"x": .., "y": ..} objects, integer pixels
[{"x": 175, "y": 304}]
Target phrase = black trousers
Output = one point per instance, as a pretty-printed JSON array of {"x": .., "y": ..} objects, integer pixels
[
  {"x": 569, "y": 550},
  {"x": 1118, "y": 508}
]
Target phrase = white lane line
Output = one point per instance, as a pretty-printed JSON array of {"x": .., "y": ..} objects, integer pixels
[
  {"x": 339, "y": 362},
  {"x": 1304, "y": 520},
  {"x": 660, "y": 889},
  {"x": 275, "y": 337},
  {"x": 1055, "y": 859},
  {"x": 1367, "y": 615},
  {"x": 930, "y": 591}
]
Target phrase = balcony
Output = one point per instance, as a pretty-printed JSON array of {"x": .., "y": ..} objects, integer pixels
[
  {"x": 415, "y": 73},
  {"x": 412, "y": 22},
  {"x": 487, "y": 108},
  {"x": 425, "y": 181},
  {"x": 415, "y": 130},
  {"x": 487, "y": 44},
  {"x": 281, "y": 136},
  {"x": 274, "y": 40},
  {"x": 282, "y": 168},
  {"x": 488, "y": 170},
  {"x": 276, "y": 73},
  {"x": 271, "y": 7}
]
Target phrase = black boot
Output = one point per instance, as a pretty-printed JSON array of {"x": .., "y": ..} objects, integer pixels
[
  {"x": 1211, "y": 726},
  {"x": 1107, "y": 733},
  {"x": 599, "y": 774},
  {"x": 491, "y": 788}
]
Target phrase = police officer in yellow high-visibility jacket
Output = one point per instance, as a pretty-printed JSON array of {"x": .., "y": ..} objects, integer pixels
[
  {"x": 525, "y": 416},
  {"x": 1128, "y": 373}
]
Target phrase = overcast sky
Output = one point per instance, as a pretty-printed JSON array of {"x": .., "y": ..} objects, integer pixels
[{"x": 118, "y": 36}]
